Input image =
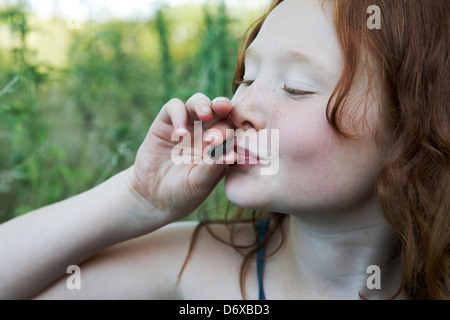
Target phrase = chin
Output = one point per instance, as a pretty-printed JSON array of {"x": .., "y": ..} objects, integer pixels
[{"x": 246, "y": 194}]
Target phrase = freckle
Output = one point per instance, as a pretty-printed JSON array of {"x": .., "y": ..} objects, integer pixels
[{"x": 276, "y": 111}]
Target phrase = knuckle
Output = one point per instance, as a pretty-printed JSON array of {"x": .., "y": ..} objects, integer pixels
[
  {"x": 199, "y": 95},
  {"x": 174, "y": 101},
  {"x": 172, "y": 105},
  {"x": 199, "y": 98}
]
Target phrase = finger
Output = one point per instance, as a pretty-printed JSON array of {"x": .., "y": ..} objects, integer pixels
[
  {"x": 174, "y": 113},
  {"x": 222, "y": 107},
  {"x": 215, "y": 156},
  {"x": 220, "y": 132},
  {"x": 210, "y": 172},
  {"x": 223, "y": 149},
  {"x": 199, "y": 106}
]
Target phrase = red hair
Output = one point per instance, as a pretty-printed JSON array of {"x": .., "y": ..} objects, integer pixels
[{"x": 409, "y": 60}]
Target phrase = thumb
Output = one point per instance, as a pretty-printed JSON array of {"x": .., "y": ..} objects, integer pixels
[{"x": 210, "y": 171}]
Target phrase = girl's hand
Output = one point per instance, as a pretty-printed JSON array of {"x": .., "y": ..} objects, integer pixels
[{"x": 178, "y": 189}]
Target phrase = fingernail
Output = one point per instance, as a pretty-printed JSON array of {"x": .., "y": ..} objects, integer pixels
[
  {"x": 220, "y": 99},
  {"x": 181, "y": 131},
  {"x": 206, "y": 109}
]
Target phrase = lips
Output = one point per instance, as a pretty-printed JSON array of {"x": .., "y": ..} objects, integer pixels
[{"x": 246, "y": 156}]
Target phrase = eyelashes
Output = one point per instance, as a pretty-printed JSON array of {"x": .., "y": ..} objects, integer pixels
[
  {"x": 297, "y": 92},
  {"x": 289, "y": 91},
  {"x": 245, "y": 82}
]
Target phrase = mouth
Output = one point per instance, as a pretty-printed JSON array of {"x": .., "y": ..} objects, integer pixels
[
  {"x": 246, "y": 157},
  {"x": 249, "y": 151}
]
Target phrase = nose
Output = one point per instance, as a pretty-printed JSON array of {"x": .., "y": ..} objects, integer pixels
[{"x": 248, "y": 110}]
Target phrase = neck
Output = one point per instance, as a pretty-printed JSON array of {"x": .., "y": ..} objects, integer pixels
[{"x": 330, "y": 252}]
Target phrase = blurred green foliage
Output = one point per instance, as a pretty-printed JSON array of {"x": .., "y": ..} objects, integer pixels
[{"x": 66, "y": 127}]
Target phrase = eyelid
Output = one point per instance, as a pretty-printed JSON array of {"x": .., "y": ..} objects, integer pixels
[
  {"x": 297, "y": 92},
  {"x": 287, "y": 89},
  {"x": 246, "y": 82}
]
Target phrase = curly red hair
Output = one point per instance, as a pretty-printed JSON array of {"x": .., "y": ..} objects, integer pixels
[{"x": 409, "y": 57}]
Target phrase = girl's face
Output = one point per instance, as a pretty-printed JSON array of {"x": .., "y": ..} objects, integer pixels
[{"x": 291, "y": 69}]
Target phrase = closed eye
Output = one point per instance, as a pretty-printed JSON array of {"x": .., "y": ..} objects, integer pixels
[
  {"x": 245, "y": 82},
  {"x": 288, "y": 90},
  {"x": 296, "y": 92}
]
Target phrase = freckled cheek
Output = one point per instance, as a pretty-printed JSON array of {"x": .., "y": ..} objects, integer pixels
[{"x": 306, "y": 136}]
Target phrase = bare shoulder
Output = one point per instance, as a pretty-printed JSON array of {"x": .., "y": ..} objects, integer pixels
[
  {"x": 154, "y": 262},
  {"x": 148, "y": 267},
  {"x": 141, "y": 268}
]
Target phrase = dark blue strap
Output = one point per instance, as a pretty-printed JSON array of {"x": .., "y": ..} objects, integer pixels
[{"x": 262, "y": 227}]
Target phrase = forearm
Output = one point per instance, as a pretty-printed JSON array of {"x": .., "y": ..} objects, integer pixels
[{"x": 37, "y": 248}]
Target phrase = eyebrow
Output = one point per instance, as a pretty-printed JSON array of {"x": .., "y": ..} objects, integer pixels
[{"x": 314, "y": 67}]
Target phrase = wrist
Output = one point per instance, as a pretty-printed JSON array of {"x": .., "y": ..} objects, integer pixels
[
  {"x": 138, "y": 207},
  {"x": 135, "y": 199}
]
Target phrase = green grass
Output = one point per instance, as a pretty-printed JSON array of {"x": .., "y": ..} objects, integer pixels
[{"x": 73, "y": 116}]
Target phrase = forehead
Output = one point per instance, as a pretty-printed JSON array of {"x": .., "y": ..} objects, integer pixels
[
  {"x": 305, "y": 18},
  {"x": 302, "y": 26}
]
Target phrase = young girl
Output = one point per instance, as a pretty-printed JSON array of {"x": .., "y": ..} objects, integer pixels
[{"x": 359, "y": 207}]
